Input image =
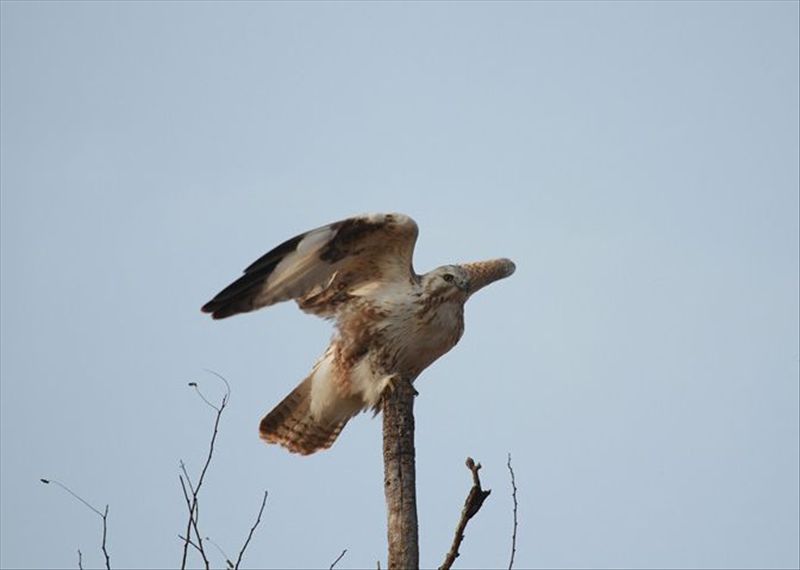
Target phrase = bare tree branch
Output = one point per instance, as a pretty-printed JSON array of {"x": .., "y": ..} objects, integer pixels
[
  {"x": 191, "y": 497},
  {"x": 191, "y": 491},
  {"x": 513, "y": 496},
  {"x": 105, "y": 532},
  {"x": 472, "y": 505},
  {"x": 193, "y": 511},
  {"x": 252, "y": 530},
  {"x": 189, "y": 540},
  {"x": 192, "y": 523},
  {"x": 339, "y": 558},
  {"x": 192, "y": 503},
  {"x": 103, "y": 515}
]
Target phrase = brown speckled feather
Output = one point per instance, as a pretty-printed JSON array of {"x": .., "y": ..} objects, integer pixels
[{"x": 291, "y": 424}]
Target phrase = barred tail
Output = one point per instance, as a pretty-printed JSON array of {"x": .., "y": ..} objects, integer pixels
[{"x": 292, "y": 425}]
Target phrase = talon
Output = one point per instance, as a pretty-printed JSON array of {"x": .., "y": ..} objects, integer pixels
[
  {"x": 391, "y": 383},
  {"x": 391, "y": 386}
]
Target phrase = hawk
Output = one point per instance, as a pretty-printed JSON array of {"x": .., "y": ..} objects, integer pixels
[{"x": 391, "y": 323}]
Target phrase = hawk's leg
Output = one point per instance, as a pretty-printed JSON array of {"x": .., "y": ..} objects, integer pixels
[{"x": 392, "y": 384}]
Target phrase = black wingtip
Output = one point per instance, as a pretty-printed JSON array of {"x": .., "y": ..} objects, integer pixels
[
  {"x": 221, "y": 310},
  {"x": 211, "y": 308}
]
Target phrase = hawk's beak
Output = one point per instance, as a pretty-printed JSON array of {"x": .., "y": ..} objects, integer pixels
[{"x": 481, "y": 273}]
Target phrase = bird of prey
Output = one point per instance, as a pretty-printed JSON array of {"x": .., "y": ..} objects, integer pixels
[{"x": 391, "y": 323}]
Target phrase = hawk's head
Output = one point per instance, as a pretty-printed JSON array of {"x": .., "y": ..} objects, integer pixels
[{"x": 458, "y": 282}]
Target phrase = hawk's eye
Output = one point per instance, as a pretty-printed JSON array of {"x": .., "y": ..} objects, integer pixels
[{"x": 448, "y": 277}]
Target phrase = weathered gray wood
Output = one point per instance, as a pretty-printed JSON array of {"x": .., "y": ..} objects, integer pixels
[{"x": 400, "y": 477}]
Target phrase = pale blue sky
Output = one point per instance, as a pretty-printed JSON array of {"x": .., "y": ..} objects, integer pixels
[{"x": 638, "y": 161}]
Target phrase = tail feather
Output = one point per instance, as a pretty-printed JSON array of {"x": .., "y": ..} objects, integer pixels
[{"x": 292, "y": 425}]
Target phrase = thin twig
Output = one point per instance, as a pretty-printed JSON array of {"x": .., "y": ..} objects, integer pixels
[
  {"x": 103, "y": 516},
  {"x": 105, "y": 532},
  {"x": 186, "y": 474},
  {"x": 80, "y": 560},
  {"x": 185, "y": 493},
  {"x": 513, "y": 496},
  {"x": 192, "y": 505},
  {"x": 193, "y": 508},
  {"x": 189, "y": 540},
  {"x": 202, "y": 397},
  {"x": 192, "y": 522},
  {"x": 472, "y": 505},
  {"x": 252, "y": 530},
  {"x": 224, "y": 380},
  {"x": 337, "y": 560},
  {"x": 228, "y": 563},
  {"x": 71, "y": 492}
]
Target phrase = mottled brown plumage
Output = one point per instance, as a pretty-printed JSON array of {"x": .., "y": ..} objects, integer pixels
[
  {"x": 391, "y": 323},
  {"x": 290, "y": 424}
]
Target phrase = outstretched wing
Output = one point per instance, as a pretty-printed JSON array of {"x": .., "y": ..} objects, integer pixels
[{"x": 324, "y": 267}]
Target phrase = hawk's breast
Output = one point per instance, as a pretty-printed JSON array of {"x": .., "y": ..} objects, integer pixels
[{"x": 420, "y": 336}]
